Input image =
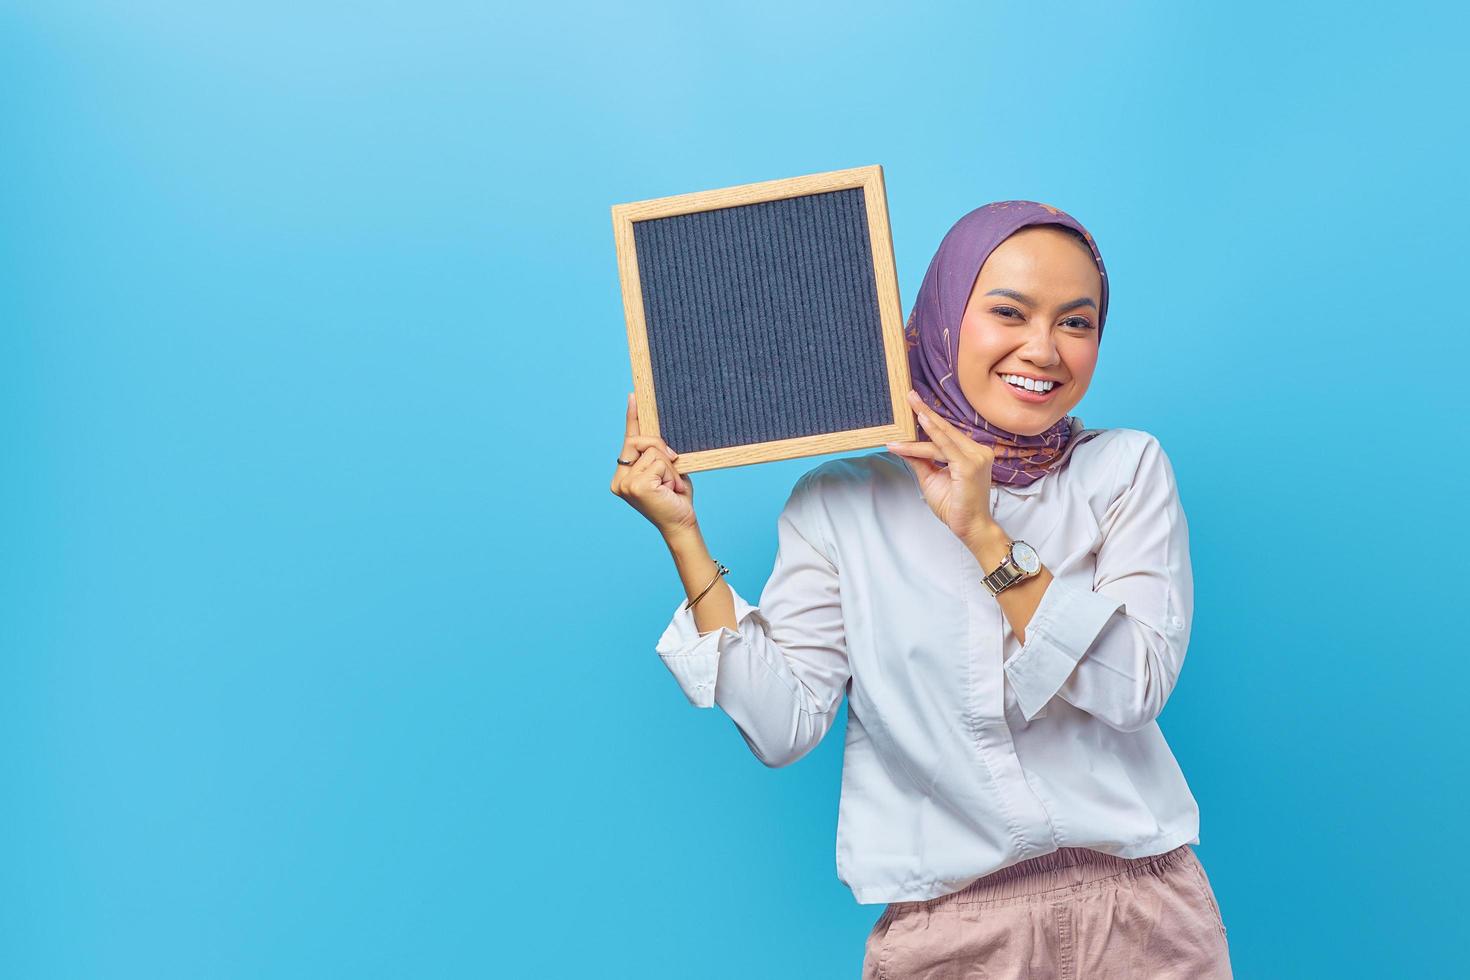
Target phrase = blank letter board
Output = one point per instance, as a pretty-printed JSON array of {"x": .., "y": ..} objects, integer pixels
[{"x": 764, "y": 320}]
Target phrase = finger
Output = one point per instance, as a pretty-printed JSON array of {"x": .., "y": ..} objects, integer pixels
[
  {"x": 654, "y": 463},
  {"x": 925, "y": 468},
  {"x": 948, "y": 449},
  {"x": 924, "y": 413},
  {"x": 636, "y": 444},
  {"x": 927, "y": 450},
  {"x": 642, "y": 467},
  {"x": 632, "y": 422},
  {"x": 957, "y": 446},
  {"x": 939, "y": 430},
  {"x": 921, "y": 466},
  {"x": 964, "y": 457},
  {"x": 634, "y": 441}
]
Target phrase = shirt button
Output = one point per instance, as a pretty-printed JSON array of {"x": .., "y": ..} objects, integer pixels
[{"x": 1177, "y": 623}]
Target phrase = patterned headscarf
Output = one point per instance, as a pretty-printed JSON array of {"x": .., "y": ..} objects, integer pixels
[{"x": 932, "y": 336}]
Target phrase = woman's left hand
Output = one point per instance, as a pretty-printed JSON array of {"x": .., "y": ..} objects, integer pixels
[{"x": 959, "y": 494}]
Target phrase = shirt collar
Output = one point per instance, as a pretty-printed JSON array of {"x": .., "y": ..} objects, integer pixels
[{"x": 1080, "y": 434}]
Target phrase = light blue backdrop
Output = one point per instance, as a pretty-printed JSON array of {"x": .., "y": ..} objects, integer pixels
[{"x": 325, "y": 650}]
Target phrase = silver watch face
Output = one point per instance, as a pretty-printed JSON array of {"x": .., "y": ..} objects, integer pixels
[{"x": 1026, "y": 557}]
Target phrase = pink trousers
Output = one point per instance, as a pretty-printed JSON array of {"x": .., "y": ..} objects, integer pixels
[{"x": 1073, "y": 914}]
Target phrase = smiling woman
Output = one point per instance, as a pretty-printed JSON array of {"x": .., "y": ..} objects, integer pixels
[{"x": 1006, "y": 604}]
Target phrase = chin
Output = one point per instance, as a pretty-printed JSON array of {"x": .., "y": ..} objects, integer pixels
[{"x": 1025, "y": 425}]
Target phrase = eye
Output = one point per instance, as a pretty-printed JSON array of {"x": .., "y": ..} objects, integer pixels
[
  {"x": 1005, "y": 310},
  {"x": 1079, "y": 322}
]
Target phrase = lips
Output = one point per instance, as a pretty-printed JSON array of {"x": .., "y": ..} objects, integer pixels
[{"x": 1031, "y": 397}]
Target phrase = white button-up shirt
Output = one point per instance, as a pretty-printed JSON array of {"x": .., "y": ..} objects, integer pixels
[{"x": 967, "y": 751}]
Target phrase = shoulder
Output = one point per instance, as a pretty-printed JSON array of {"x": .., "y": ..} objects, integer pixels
[
  {"x": 1138, "y": 470},
  {"x": 1109, "y": 445},
  {"x": 1114, "y": 454},
  {"x": 1110, "y": 461},
  {"x": 1136, "y": 450}
]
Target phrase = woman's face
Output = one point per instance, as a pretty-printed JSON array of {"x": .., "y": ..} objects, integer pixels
[{"x": 1033, "y": 312}]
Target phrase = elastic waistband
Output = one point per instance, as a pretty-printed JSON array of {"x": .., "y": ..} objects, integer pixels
[{"x": 1068, "y": 868}]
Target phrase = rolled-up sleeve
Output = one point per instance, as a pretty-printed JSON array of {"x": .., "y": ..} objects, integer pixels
[
  {"x": 1115, "y": 650},
  {"x": 781, "y": 674}
]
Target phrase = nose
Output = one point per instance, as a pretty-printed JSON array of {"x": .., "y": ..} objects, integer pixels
[{"x": 1039, "y": 347}]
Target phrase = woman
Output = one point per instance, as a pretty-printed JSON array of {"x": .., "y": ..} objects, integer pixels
[{"x": 1007, "y": 603}]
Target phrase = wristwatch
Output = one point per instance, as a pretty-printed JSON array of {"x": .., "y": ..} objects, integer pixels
[{"x": 1021, "y": 562}]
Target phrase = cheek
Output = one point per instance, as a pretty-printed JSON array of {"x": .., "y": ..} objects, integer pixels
[
  {"x": 981, "y": 341},
  {"x": 1081, "y": 360}
]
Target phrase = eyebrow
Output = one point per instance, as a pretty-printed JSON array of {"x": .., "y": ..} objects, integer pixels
[{"x": 1084, "y": 301}]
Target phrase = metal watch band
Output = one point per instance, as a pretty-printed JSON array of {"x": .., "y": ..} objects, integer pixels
[
  {"x": 1010, "y": 571},
  {"x": 1007, "y": 575}
]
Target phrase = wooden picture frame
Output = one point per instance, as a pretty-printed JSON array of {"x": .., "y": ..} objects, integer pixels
[{"x": 887, "y": 302}]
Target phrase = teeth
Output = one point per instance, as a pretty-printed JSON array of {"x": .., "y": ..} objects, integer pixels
[{"x": 1027, "y": 383}]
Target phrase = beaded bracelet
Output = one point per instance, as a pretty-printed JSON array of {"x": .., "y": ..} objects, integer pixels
[{"x": 722, "y": 571}]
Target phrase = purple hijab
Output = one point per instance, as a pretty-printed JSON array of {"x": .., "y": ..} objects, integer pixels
[{"x": 932, "y": 337}]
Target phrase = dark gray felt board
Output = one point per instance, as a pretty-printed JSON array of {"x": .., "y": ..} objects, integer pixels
[{"x": 763, "y": 322}]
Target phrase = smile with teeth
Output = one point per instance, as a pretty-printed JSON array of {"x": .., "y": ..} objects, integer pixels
[{"x": 1026, "y": 384}]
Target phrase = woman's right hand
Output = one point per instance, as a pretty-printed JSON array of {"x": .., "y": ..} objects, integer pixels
[{"x": 652, "y": 485}]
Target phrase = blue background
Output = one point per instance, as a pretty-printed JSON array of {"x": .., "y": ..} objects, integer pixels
[{"x": 325, "y": 649}]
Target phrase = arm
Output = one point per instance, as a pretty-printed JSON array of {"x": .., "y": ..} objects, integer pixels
[
  {"x": 1116, "y": 650},
  {"x": 780, "y": 672}
]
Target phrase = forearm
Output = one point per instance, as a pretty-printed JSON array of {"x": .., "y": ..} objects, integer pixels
[
  {"x": 1109, "y": 637},
  {"x": 1119, "y": 670},
  {"x": 696, "y": 568},
  {"x": 780, "y": 673},
  {"x": 990, "y": 546}
]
